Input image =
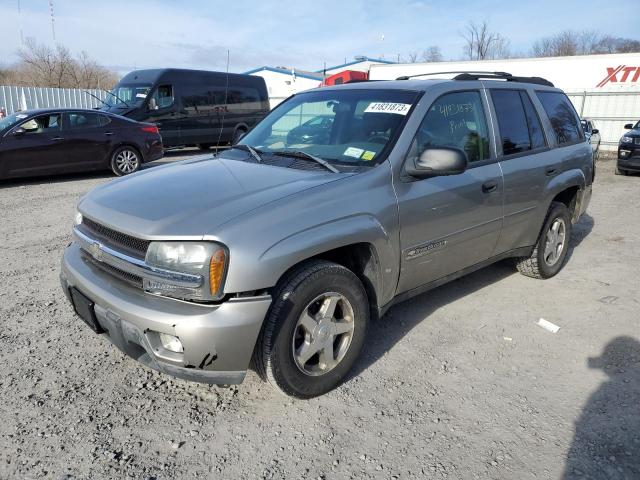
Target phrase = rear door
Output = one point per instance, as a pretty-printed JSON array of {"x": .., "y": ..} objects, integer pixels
[
  {"x": 203, "y": 109},
  {"x": 528, "y": 160},
  {"x": 89, "y": 139},
  {"x": 449, "y": 223},
  {"x": 34, "y": 147}
]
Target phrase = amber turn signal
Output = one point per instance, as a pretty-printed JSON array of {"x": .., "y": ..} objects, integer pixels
[{"x": 216, "y": 270}]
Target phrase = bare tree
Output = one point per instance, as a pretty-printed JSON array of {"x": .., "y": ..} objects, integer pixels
[
  {"x": 586, "y": 42},
  {"x": 432, "y": 54},
  {"x": 482, "y": 44},
  {"x": 412, "y": 57},
  {"x": 43, "y": 66}
]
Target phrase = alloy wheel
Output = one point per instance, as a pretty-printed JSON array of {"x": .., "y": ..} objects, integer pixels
[
  {"x": 323, "y": 334},
  {"x": 127, "y": 161},
  {"x": 556, "y": 238}
]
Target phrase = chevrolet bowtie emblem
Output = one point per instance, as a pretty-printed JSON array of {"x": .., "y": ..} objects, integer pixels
[{"x": 95, "y": 250}]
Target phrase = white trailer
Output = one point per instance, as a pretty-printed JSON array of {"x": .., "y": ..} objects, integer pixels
[{"x": 604, "y": 88}]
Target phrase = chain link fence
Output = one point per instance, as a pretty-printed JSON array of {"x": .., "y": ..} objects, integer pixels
[{"x": 610, "y": 111}]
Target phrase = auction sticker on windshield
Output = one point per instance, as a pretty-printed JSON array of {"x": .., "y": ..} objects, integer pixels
[{"x": 387, "y": 107}]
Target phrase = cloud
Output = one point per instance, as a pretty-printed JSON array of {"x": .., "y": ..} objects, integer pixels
[{"x": 304, "y": 34}]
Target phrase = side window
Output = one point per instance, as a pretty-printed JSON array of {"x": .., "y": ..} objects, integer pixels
[
  {"x": 533, "y": 120},
  {"x": 455, "y": 120},
  {"x": 562, "y": 116},
  {"x": 104, "y": 120},
  {"x": 78, "y": 120},
  {"x": 162, "y": 97},
  {"x": 512, "y": 121},
  {"x": 42, "y": 124}
]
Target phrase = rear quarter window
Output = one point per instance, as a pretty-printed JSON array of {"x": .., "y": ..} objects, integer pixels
[{"x": 563, "y": 117}]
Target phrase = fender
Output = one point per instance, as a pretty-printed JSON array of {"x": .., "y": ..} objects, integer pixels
[
  {"x": 308, "y": 243},
  {"x": 567, "y": 179}
]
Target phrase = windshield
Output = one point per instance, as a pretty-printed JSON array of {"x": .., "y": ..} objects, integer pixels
[
  {"x": 128, "y": 94},
  {"x": 339, "y": 126},
  {"x": 11, "y": 120}
]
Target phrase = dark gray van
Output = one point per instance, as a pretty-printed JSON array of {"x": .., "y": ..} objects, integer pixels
[{"x": 191, "y": 107}]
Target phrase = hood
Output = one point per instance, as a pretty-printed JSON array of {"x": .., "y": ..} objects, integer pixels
[{"x": 191, "y": 198}]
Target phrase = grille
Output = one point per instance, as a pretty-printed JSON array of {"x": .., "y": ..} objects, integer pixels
[
  {"x": 117, "y": 240},
  {"x": 127, "y": 277}
]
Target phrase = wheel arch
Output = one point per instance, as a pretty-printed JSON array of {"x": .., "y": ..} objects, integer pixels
[
  {"x": 568, "y": 188},
  {"x": 359, "y": 243}
]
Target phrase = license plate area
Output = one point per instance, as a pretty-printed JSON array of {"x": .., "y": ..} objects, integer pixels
[{"x": 84, "y": 309}]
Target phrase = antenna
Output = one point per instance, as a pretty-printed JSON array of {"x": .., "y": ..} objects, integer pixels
[
  {"x": 53, "y": 20},
  {"x": 224, "y": 110}
]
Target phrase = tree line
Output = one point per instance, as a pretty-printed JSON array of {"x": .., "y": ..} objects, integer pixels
[
  {"x": 480, "y": 42},
  {"x": 40, "y": 65}
]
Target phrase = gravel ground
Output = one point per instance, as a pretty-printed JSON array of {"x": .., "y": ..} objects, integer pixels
[{"x": 457, "y": 383}]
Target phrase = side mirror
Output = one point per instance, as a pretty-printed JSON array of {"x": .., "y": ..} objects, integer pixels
[
  {"x": 19, "y": 132},
  {"x": 435, "y": 162},
  {"x": 594, "y": 131},
  {"x": 628, "y": 126},
  {"x": 152, "y": 104}
]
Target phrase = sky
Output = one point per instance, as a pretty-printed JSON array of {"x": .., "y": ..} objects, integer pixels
[{"x": 129, "y": 34}]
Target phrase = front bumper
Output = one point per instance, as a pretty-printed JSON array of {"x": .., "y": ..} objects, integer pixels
[
  {"x": 218, "y": 340},
  {"x": 629, "y": 156}
]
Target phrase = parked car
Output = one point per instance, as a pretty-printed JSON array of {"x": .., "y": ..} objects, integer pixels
[
  {"x": 316, "y": 130},
  {"x": 284, "y": 252},
  {"x": 592, "y": 135},
  {"x": 191, "y": 107},
  {"x": 629, "y": 150},
  {"x": 47, "y": 141}
]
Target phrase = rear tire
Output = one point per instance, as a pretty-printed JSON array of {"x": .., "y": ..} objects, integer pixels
[
  {"x": 552, "y": 246},
  {"x": 125, "y": 161},
  {"x": 314, "y": 331}
]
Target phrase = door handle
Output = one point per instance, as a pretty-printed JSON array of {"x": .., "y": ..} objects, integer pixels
[
  {"x": 56, "y": 139},
  {"x": 488, "y": 187},
  {"x": 550, "y": 171},
  {"x": 108, "y": 134}
]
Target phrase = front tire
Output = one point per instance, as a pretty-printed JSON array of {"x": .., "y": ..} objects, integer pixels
[
  {"x": 550, "y": 251},
  {"x": 125, "y": 161},
  {"x": 314, "y": 331}
]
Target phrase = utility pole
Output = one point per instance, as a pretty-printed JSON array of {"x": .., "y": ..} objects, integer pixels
[
  {"x": 53, "y": 25},
  {"x": 20, "y": 24}
]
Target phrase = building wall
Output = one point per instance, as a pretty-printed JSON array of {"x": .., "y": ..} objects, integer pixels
[
  {"x": 605, "y": 88},
  {"x": 281, "y": 85}
]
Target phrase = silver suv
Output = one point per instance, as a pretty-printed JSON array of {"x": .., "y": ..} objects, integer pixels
[{"x": 279, "y": 254}]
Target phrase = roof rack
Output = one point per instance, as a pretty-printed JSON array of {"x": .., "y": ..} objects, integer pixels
[{"x": 478, "y": 75}]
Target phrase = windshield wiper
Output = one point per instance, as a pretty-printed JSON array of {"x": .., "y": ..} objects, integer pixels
[
  {"x": 111, "y": 93},
  {"x": 254, "y": 153},
  {"x": 308, "y": 156},
  {"x": 97, "y": 98}
]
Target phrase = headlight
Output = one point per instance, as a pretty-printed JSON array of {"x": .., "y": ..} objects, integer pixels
[
  {"x": 626, "y": 139},
  {"x": 206, "y": 261},
  {"x": 77, "y": 219}
]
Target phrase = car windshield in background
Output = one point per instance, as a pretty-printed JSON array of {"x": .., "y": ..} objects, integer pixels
[
  {"x": 11, "y": 120},
  {"x": 128, "y": 95},
  {"x": 339, "y": 126}
]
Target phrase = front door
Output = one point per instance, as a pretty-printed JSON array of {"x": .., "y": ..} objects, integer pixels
[
  {"x": 164, "y": 111},
  {"x": 35, "y": 147},
  {"x": 449, "y": 223}
]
